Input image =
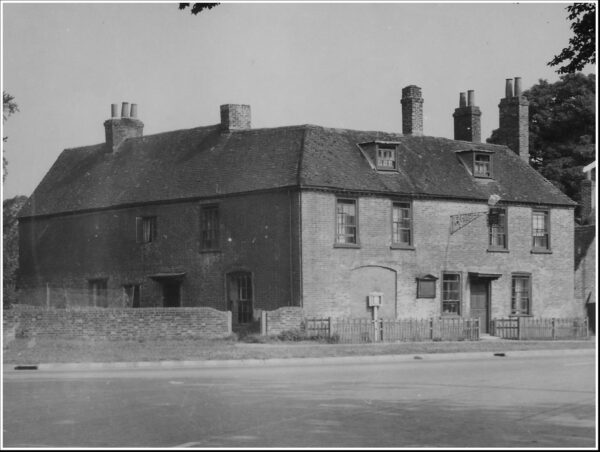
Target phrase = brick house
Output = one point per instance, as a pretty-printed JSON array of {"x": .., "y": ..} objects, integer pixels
[
  {"x": 585, "y": 247},
  {"x": 245, "y": 219}
]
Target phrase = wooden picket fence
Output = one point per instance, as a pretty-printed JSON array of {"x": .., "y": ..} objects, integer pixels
[
  {"x": 359, "y": 330},
  {"x": 530, "y": 328}
]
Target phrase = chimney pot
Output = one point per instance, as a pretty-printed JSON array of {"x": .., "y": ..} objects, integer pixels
[
  {"x": 114, "y": 110},
  {"x": 471, "y": 101},
  {"x": 133, "y": 113},
  {"x": 125, "y": 110},
  {"x": 463, "y": 100},
  {"x": 517, "y": 86},
  {"x": 509, "y": 88}
]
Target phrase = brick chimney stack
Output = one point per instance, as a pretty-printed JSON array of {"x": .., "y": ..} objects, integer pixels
[
  {"x": 235, "y": 117},
  {"x": 412, "y": 111},
  {"x": 118, "y": 129},
  {"x": 467, "y": 119},
  {"x": 514, "y": 120}
]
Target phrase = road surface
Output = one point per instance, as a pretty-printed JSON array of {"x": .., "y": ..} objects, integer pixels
[{"x": 511, "y": 401}]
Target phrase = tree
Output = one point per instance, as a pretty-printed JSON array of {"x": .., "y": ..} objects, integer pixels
[
  {"x": 10, "y": 254},
  {"x": 562, "y": 129},
  {"x": 582, "y": 46},
  {"x": 9, "y": 107},
  {"x": 198, "y": 7}
]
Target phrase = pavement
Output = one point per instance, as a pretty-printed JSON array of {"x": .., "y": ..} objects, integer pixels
[{"x": 12, "y": 368}]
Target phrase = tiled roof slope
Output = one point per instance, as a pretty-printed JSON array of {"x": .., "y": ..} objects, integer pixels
[{"x": 204, "y": 162}]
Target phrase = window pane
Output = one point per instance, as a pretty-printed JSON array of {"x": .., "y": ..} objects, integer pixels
[
  {"x": 482, "y": 165},
  {"x": 520, "y": 295},
  {"x": 497, "y": 228},
  {"x": 401, "y": 223},
  {"x": 346, "y": 221},
  {"x": 451, "y": 294},
  {"x": 386, "y": 158},
  {"x": 540, "y": 229}
]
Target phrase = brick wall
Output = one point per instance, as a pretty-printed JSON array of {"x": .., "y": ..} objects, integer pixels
[
  {"x": 64, "y": 253},
  {"x": 283, "y": 319},
  {"x": 118, "y": 324},
  {"x": 585, "y": 269},
  {"x": 333, "y": 278}
]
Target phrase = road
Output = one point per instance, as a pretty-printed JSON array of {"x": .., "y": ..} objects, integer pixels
[{"x": 511, "y": 401}]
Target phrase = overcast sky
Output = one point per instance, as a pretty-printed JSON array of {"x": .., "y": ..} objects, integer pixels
[{"x": 336, "y": 65}]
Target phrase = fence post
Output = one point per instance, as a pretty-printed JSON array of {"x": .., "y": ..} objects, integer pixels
[
  {"x": 328, "y": 326},
  {"x": 587, "y": 327},
  {"x": 553, "y": 333},
  {"x": 431, "y": 328},
  {"x": 263, "y": 323},
  {"x": 519, "y": 328}
]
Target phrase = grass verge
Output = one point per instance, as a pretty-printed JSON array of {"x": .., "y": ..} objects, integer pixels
[{"x": 36, "y": 351}]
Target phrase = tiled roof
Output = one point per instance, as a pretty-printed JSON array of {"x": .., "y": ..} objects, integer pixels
[{"x": 204, "y": 162}]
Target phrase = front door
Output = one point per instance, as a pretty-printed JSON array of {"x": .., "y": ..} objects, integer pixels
[
  {"x": 171, "y": 294},
  {"x": 480, "y": 303},
  {"x": 239, "y": 292}
]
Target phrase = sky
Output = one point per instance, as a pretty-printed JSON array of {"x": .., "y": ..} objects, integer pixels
[{"x": 337, "y": 65}]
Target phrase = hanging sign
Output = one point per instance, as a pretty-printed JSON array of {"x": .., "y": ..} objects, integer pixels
[{"x": 461, "y": 220}]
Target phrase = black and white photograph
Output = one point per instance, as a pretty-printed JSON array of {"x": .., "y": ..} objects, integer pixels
[{"x": 299, "y": 225}]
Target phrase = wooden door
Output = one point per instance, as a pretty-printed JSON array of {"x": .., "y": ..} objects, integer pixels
[{"x": 480, "y": 303}]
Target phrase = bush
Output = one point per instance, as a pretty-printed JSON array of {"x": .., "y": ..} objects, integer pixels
[{"x": 293, "y": 335}]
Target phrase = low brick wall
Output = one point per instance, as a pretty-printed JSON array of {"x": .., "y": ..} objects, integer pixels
[
  {"x": 118, "y": 324},
  {"x": 282, "y": 319}
]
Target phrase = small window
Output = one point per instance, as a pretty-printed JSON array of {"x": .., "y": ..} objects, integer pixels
[
  {"x": 386, "y": 157},
  {"x": 98, "y": 292},
  {"x": 209, "y": 234},
  {"x": 402, "y": 224},
  {"x": 540, "y": 230},
  {"x": 145, "y": 229},
  {"x": 426, "y": 286},
  {"x": 346, "y": 222},
  {"x": 521, "y": 294},
  {"x": 498, "y": 239},
  {"x": 482, "y": 165},
  {"x": 132, "y": 294},
  {"x": 451, "y": 295}
]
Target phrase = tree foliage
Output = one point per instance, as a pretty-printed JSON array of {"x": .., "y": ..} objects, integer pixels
[
  {"x": 582, "y": 46},
  {"x": 562, "y": 129},
  {"x": 10, "y": 254},
  {"x": 198, "y": 7},
  {"x": 9, "y": 107}
]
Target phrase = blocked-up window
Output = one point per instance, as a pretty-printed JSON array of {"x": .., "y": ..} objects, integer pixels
[
  {"x": 451, "y": 294},
  {"x": 402, "y": 224},
  {"x": 145, "y": 229},
  {"x": 209, "y": 234},
  {"x": 521, "y": 294},
  {"x": 346, "y": 222},
  {"x": 540, "y": 230},
  {"x": 497, "y": 228}
]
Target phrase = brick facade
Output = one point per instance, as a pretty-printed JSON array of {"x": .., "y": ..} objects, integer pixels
[
  {"x": 61, "y": 254},
  {"x": 336, "y": 281}
]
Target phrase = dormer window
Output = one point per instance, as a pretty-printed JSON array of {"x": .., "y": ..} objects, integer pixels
[
  {"x": 386, "y": 157},
  {"x": 381, "y": 155},
  {"x": 482, "y": 165},
  {"x": 479, "y": 162}
]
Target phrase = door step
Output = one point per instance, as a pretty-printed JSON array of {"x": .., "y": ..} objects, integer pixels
[{"x": 487, "y": 337}]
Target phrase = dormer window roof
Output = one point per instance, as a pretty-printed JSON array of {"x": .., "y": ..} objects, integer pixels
[
  {"x": 382, "y": 155},
  {"x": 479, "y": 162}
]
